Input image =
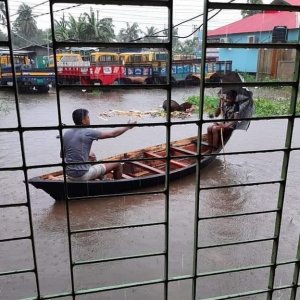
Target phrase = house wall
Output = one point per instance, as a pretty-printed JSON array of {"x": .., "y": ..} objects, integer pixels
[
  {"x": 243, "y": 60},
  {"x": 293, "y": 35},
  {"x": 246, "y": 60}
]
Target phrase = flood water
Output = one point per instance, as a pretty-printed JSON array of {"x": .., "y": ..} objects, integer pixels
[{"x": 50, "y": 223}]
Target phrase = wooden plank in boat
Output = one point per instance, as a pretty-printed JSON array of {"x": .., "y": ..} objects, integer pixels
[
  {"x": 146, "y": 167},
  {"x": 174, "y": 162},
  {"x": 183, "y": 151},
  {"x": 126, "y": 176}
]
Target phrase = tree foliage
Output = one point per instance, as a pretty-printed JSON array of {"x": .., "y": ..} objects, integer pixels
[
  {"x": 150, "y": 35},
  {"x": 130, "y": 33},
  {"x": 25, "y": 23},
  {"x": 247, "y": 13},
  {"x": 87, "y": 27},
  {"x": 2, "y": 13}
]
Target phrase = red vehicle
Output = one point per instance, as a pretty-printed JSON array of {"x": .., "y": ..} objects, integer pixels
[{"x": 106, "y": 68}]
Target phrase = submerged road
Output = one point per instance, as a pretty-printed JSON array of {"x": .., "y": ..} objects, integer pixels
[{"x": 49, "y": 217}]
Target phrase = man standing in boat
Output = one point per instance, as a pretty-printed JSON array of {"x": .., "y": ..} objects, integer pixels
[
  {"x": 229, "y": 108},
  {"x": 77, "y": 143}
]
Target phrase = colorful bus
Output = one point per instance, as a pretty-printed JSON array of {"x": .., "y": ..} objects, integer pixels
[
  {"x": 71, "y": 69},
  {"x": 106, "y": 68},
  {"x": 29, "y": 78},
  {"x": 138, "y": 68}
]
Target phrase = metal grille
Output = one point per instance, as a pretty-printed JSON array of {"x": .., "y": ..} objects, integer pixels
[{"x": 166, "y": 280}]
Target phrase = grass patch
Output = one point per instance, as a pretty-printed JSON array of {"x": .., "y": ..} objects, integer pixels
[{"x": 263, "y": 107}]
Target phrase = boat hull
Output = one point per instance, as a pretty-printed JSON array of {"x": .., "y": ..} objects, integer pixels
[{"x": 94, "y": 188}]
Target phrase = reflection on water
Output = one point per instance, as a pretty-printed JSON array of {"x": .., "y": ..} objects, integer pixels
[{"x": 49, "y": 217}]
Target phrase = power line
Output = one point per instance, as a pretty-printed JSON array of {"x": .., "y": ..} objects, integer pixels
[
  {"x": 31, "y": 7},
  {"x": 164, "y": 30},
  {"x": 140, "y": 38}
]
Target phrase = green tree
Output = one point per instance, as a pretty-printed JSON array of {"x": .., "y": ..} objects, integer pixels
[
  {"x": 188, "y": 46},
  {"x": 150, "y": 35},
  {"x": 3, "y": 22},
  {"x": 177, "y": 47},
  {"x": 43, "y": 36},
  {"x": 25, "y": 23},
  {"x": 61, "y": 29},
  {"x": 247, "y": 13},
  {"x": 77, "y": 28},
  {"x": 87, "y": 27},
  {"x": 2, "y": 13},
  {"x": 99, "y": 29},
  {"x": 130, "y": 33}
]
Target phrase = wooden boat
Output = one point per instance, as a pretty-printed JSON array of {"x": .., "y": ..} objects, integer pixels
[{"x": 146, "y": 168}]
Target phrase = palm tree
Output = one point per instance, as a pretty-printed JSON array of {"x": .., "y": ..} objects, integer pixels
[
  {"x": 77, "y": 28},
  {"x": 2, "y": 13},
  {"x": 25, "y": 24},
  {"x": 61, "y": 29},
  {"x": 130, "y": 33},
  {"x": 150, "y": 35},
  {"x": 99, "y": 29},
  {"x": 106, "y": 30},
  {"x": 3, "y": 22},
  {"x": 176, "y": 43}
]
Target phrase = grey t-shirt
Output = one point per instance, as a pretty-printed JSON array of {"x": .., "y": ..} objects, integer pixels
[{"x": 77, "y": 146}]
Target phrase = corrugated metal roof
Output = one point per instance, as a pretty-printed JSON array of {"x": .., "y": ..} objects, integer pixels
[{"x": 260, "y": 22}]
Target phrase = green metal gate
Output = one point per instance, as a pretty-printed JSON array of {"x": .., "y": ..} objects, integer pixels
[{"x": 196, "y": 276}]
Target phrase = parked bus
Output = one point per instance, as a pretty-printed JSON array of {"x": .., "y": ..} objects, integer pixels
[
  {"x": 71, "y": 68},
  {"x": 138, "y": 68},
  {"x": 106, "y": 68},
  {"x": 29, "y": 78}
]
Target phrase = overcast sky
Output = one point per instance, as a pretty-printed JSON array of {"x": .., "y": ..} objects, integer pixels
[{"x": 145, "y": 17}]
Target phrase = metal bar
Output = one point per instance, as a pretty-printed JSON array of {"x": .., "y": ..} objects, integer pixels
[
  {"x": 174, "y": 279},
  {"x": 296, "y": 273},
  {"x": 116, "y": 227},
  {"x": 22, "y": 146},
  {"x": 114, "y": 87},
  {"x": 7, "y": 87},
  {"x": 120, "y": 286},
  {"x": 284, "y": 173},
  {"x": 236, "y": 243},
  {"x": 240, "y": 185},
  {"x": 165, "y": 86},
  {"x": 198, "y": 171},
  {"x": 117, "y": 195},
  {"x": 235, "y": 270},
  {"x": 150, "y": 124},
  {"x": 244, "y": 294},
  {"x": 253, "y": 45},
  {"x": 17, "y": 272},
  {"x": 62, "y": 150},
  {"x": 252, "y": 84},
  {"x": 16, "y": 239},
  {"x": 116, "y": 45},
  {"x": 149, "y": 159},
  {"x": 159, "y": 3},
  {"x": 120, "y": 258},
  {"x": 168, "y": 141},
  {"x": 238, "y": 215},
  {"x": 4, "y": 43},
  {"x": 13, "y": 204},
  {"x": 243, "y": 6},
  {"x": 49, "y": 297}
]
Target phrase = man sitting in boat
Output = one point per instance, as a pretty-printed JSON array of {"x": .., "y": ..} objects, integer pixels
[
  {"x": 229, "y": 108},
  {"x": 77, "y": 143}
]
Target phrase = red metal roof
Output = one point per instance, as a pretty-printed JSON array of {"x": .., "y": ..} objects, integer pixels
[
  {"x": 265, "y": 21},
  {"x": 293, "y": 2}
]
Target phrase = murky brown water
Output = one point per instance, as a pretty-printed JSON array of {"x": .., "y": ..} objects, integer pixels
[{"x": 49, "y": 217}]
